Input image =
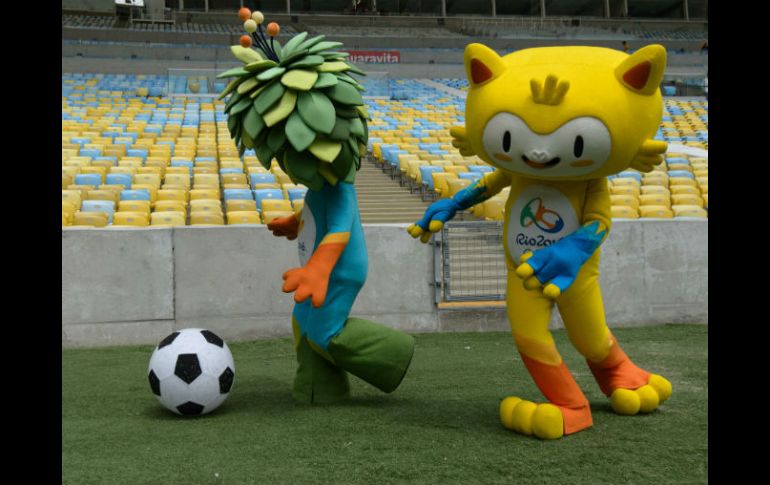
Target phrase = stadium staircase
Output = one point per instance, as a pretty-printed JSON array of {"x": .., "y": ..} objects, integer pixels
[{"x": 382, "y": 200}]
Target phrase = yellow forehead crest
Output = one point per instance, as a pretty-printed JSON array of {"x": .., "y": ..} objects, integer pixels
[{"x": 550, "y": 92}]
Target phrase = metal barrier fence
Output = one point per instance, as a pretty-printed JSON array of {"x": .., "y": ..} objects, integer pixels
[{"x": 470, "y": 263}]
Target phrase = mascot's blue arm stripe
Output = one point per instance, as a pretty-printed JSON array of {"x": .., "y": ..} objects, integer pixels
[{"x": 471, "y": 195}]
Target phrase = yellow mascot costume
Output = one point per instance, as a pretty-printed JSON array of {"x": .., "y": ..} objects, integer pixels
[{"x": 556, "y": 121}]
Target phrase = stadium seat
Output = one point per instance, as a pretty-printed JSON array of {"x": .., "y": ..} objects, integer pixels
[
  {"x": 206, "y": 218},
  {"x": 493, "y": 208},
  {"x": 262, "y": 194},
  {"x": 95, "y": 219},
  {"x": 205, "y": 205},
  {"x": 624, "y": 212},
  {"x": 238, "y": 194},
  {"x": 261, "y": 178},
  {"x": 134, "y": 206},
  {"x": 689, "y": 211},
  {"x": 170, "y": 205},
  {"x": 167, "y": 219},
  {"x": 123, "y": 179},
  {"x": 628, "y": 200},
  {"x": 275, "y": 205},
  {"x": 440, "y": 180},
  {"x": 243, "y": 217},
  {"x": 657, "y": 211},
  {"x": 94, "y": 179},
  {"x": 138, "y": 219},
  {"x": 268, "y": 216},
  {"x": 173, "y": 194}
]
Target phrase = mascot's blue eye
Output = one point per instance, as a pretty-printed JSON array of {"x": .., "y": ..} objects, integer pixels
[
  {"x": 507, "y": 141},
  {"x": 578, "y": 146}
]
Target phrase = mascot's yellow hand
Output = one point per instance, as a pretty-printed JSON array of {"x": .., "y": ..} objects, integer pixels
[{"x": 460, "y": 140}]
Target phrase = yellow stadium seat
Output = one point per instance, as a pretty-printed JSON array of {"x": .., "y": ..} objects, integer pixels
[
  {"x": 96, "y": 219},
  {"x": 205, "y": 181},
  {"x": 654, "y": 200},
  {"x": 655, "y": 189},
  {"x": 73, "y": 196},
  {"x": 170, "y": 205},
  {"x": 180, "y": 179},
  {"x": 686, "y": 199},
  {"x": 173, "y": 194},
  {"x": 706, "y": 200},
  {"x": 169, "y": 218},
  {"x": 152, "y": 179},
  {"x": 243, "y": 217},
  {"x": 210, "y": 194},
  {"x": 234, "y": 178},
  {"x": 456, "y": 185},
  {"x": 682, "y": 181},
  {"x": 104, "y": 194},
  {"x": 624, "y": 212},
  {"x": 455, "y": 169},
  {"x": 139, "y": 219},
  {"x": 689, "y": 211},
  {"x": 68, "y": 207},
  {"x": 625, "y": 190},
  {"x": 493, "y": 208},
  {"x": 206, "y": 218},
  {"x": 621, "y": 181},
  {"x": 276, "y": 205},
  {"x": 684, "y": 189},
  {"x": 66, "y": 218},
  {"x": 297, "y": 205},
  {"x": 628, "y": 200},
  {"x": 134, "y": 206},
  {"x": 268, "y": 216},
  {"x": 440, "y": 182},
  {"x": 205, "y": 205},
  {"x": 659, "y": 211}
]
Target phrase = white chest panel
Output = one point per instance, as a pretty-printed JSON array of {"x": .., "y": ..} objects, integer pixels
[
  {"x": 306, "y": 236},
  {"x": 540, "y": 216}
]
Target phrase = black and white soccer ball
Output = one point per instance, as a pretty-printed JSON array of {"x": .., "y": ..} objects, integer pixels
[{"x": 191, "y": 371}]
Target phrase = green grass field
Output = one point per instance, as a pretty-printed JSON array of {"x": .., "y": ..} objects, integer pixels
[{"x": 440, "y": 426}]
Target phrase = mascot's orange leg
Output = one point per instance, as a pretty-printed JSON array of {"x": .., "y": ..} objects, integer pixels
[
  {"x": 567, "y": 410},
  {"x": 631, "y": 390}
]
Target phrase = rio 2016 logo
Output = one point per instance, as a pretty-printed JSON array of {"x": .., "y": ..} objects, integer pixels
[{"x": 534, "y": 212}]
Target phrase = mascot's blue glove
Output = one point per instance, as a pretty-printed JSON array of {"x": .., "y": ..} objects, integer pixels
[
  {"x": 443, "y": 210},
  {"x": 434, "y": 218},
  {"x": 557, "y": 265}
]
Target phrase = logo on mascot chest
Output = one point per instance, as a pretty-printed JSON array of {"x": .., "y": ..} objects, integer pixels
[
  {"x": 539, "y": 216},
  {"x": 536, "y": 213}
]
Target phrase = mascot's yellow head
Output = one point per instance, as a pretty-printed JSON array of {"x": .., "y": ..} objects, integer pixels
[{"x": 563, "y": 113}]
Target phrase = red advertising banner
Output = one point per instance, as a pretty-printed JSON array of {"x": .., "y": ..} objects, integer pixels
[{"x": 374, "y": 57}]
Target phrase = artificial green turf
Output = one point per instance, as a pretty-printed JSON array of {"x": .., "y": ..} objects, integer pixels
[{"x": 440, "y": 426}]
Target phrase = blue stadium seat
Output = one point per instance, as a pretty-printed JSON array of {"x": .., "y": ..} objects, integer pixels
[
  {"x": 140, "y": 194},
  {"x": 223, "y": 171},
  {"x": 629, "y": 174},
  {"x": 261, "y": 194},
  {"x": 261, "y": 178},
  {"x": 99, "y": 206},
  {"x": 88, "y": 179},
  {"x": 123, "y": 179},
  {"x": 480, "y": 168},
  {"x": 296, "y": 193},
  {"x": 681, "y": 173},
  {"x": 425, "y": 173},
  {"x": 234, "y": 194}
]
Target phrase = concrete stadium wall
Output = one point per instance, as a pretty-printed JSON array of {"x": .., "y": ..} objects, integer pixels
[{"x": 135, "y": 286}]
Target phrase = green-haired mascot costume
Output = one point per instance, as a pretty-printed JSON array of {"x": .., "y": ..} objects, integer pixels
[{"x": 298, "y": 105}]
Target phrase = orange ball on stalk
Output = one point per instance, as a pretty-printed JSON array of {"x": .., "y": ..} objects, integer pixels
[
  {"x": 245, "y": 41},
  {"x": 273, "y": 29},
  {"x": 244, "y": 14}
]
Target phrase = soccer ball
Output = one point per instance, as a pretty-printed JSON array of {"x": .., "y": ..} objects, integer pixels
[{"x": 191, "y": 371}]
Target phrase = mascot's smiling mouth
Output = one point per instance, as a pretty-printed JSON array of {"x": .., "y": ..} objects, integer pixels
[{"x": 547, "y": 164}]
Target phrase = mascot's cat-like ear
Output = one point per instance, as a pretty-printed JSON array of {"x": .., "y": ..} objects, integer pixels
[
  {"x": 482, "y": 64},
  {"x": 642, "y": 71}
]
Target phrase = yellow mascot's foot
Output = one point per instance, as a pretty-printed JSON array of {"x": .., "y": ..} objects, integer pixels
[
  {"x": 526, "y": 417},
  {"x": 645, "y": 399}
]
